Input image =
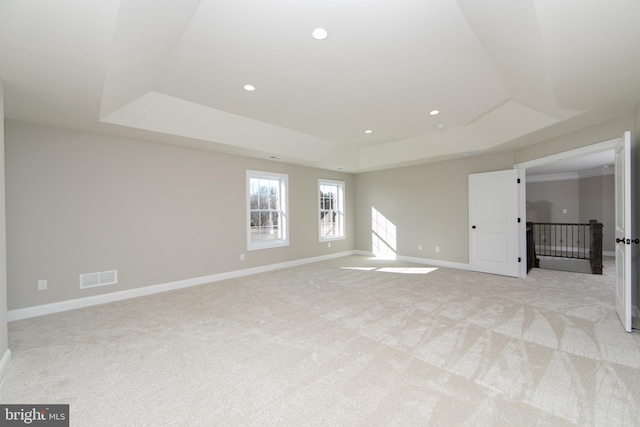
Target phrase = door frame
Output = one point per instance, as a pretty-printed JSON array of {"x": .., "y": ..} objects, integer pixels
[
  {"x": 624, "y": 210},
  {"x": 609, "y": 145},
  {"x": 599, "y": 147}
]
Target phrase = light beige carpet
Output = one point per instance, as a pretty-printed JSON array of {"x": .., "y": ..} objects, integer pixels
[{"x": 349, "y": 342}]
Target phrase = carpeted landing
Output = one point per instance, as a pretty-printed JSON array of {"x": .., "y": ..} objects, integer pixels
[{"x": 346, "y": 342}]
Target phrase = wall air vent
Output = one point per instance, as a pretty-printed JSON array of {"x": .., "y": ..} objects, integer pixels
[{"x": 92, "y": 280}]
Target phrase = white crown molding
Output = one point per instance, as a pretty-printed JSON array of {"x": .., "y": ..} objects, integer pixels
[
  {"x": 596, "y": 172},
  {"x": 553, "y": 177},
  {"x": 591, "y": 173},
  {"x": 589, "y": 149}
]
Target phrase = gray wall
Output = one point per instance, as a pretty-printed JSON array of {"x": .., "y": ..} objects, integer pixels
[
  {"x": 584, "y": 199},
  {"x": 428, "y": 204},
  {"x": 546, "y": 201},
  {"x": 597, "y": 201},
  {"x": 81, "y": 202},
  {"x": 3, "y": 240}
]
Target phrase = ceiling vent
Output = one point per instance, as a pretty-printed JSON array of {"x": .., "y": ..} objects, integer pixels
[{"x": 92, "y": 280}]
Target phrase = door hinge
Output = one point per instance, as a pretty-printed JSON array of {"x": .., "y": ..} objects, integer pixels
[
  {"x": 628, "y": 241},
  {"x": 519, "y": 259}
]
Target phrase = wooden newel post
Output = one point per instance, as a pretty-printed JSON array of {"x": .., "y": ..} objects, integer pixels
[{"x": 595, "y": 252}]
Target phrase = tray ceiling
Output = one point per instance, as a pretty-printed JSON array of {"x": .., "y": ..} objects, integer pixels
[{"x": 173, "y": 71}]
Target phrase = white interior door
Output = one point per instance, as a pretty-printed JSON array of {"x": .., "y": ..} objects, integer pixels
[
  {"x": 494, "y": 222},
  {"x": 623, "y": 230}
]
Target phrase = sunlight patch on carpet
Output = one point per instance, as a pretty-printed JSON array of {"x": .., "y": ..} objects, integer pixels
[{"x": 398, "y": 270}]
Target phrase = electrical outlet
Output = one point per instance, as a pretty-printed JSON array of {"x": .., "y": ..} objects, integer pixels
[
  {"x": 419, "y": 247},
  {"x": 42, "y": 285},
  {"x": 437, "y": 248},
  {"x": 329, "y": 244},
  {"x": 241, "y": 257}
]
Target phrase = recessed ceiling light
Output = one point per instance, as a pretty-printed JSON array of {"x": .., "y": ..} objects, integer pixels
[
  {"x": 249, "y": 88},
  {"x": 434, "y": 112},
  {"x": 319, "y": 34},
  {"x": 368, "y": 131}
]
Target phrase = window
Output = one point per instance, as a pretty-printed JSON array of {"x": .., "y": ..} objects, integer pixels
[
  {"x": 267, "y": 210},
  {"x": 330, "y": 210}
]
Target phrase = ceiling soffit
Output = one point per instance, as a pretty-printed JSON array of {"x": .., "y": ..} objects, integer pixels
[{"x": 497, "y": 72}]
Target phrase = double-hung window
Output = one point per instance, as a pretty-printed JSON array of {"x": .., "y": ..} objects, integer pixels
[
  {"x": 330, "y": 210},
  {"x": 267, "y": 220}
]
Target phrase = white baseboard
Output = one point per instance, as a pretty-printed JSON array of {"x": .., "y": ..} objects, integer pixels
[
  {"x": 364, "y": 253},
  {"x": 416, "y": 260},
  {"x": 434, "y": 262},
  {"x": 73, "y": 304},
  {"x": 4, "y": 364}
]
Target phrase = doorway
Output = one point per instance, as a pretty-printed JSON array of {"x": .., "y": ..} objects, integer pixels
[
  {"x": 620, "y": 148},
  {"x": 565, "y": 187},
  {"x": 567, "y": 202}
]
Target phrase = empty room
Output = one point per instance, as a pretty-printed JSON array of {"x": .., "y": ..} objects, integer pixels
[{"x": 319, "y": 213}]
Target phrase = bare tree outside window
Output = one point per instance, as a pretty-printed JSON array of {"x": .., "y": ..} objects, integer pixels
[
  {"x": 331, "y": 209},
  {"x": 267, "y": 209}
]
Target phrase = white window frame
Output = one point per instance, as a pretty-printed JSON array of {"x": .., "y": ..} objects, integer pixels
[
  {"x": 283, "y": 210},
  {"x": 339, "y": 210}
]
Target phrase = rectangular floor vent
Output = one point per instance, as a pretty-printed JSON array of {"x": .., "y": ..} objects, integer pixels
[{"x": 91, "y": 280}]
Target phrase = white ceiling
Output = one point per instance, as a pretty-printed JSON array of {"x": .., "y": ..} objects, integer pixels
[{"x": 173, "y": 71}]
